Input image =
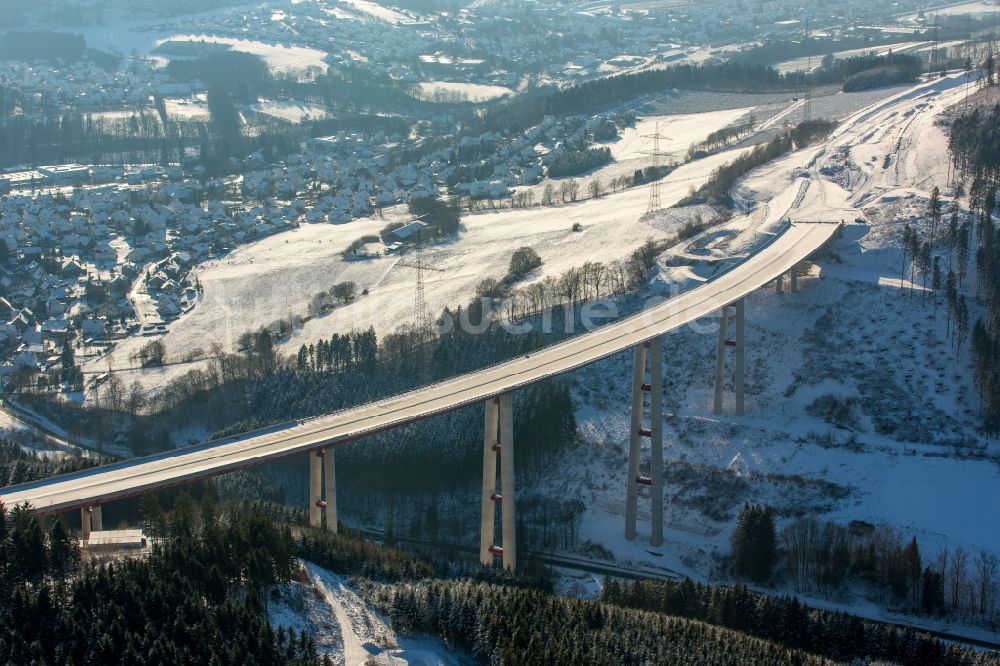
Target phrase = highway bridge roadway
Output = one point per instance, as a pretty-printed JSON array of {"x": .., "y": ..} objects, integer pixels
[{"x": 136, "y": 476}]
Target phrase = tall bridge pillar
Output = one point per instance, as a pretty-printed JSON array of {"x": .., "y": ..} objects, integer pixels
[
  {"x": 322, "y": 476},
  {"x": 779, "y": 284},
  {"x": 315, "y": 488},
  {"x": 720, "y": 358},
  {"x": 498, "y": 442},
  {"x": 652, "y": 350},
  {"x": 91, "y": 519},
  {"x": 737, "y": 342},
  {"x": 740, "y": 337},
  {"x": 330, "y": 489},
  {"x": 794, "y": 278}
]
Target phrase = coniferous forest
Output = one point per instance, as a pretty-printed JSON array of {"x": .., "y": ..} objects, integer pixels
[
  {"x": 199, "y": 598},
  {"x": 975, "y": 148},
  {"x": 201, "y": 595}
]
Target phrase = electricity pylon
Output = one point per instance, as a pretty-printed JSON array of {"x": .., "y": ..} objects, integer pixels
[
  {"x": 654, "y": 187},
  {"x": 421, "y": 317}
]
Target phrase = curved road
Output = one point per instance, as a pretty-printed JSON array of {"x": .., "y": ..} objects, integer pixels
[{"x": 139, "y": 475}]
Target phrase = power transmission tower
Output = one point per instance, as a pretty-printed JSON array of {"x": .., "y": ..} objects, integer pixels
[
  {"x": 421, "y": 317},
  {"x": 654, "y": 186}
]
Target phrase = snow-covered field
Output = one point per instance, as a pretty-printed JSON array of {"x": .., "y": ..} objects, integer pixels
[
  {"x": 262, "y": 282},
  {"x": 187, "y": 108},
  {"x": 473, "y": 92},
  {"x": 378, "y": 11},
  {"x": 804, "y": 63},
  {"x": 680, "y": 132},
  {"x": 630, "y": 151},
  {"x": 850, "y": 335},
  {"x": 290, "y": 111},
  {"x": 346, "y": 629},
  {"x": 910, "y": 454},
  {"x": 277, "y": 56},
  {"x": 975, "y": 8}
]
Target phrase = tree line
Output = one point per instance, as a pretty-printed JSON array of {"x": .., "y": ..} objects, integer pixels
[
  {"x": 199, "y": 598},
  {"x": 500, "y": 624},
  {"x": 975, "y": 149},
  {"x": 575, "y": 162},
  {"x": 788, "y": 622},
  {"x": 717, "y": 188}
]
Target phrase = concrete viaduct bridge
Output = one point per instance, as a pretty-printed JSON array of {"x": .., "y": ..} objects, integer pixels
[{"x": 88, "y": 490}]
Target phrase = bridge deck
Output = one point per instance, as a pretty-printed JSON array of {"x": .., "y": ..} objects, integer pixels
[{"x": 139, "y": 475}]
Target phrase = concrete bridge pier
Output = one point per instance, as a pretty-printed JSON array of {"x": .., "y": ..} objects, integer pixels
[
  {"x": 737, "y": 342},
  {"x": 330, "y": 489},
  {"x": 740, "y": 338},
  {"x": 779, "y": 284},
  {"x": 498, "y": 443},
  {"x": 656, "y": 441},
  {"x": 794, "y": 278},
  {"x": 653, "y": 351},
  {"x": 322, "y": 475},
  {"x": 315, "y": 488},
  {"x": 90, "y": 520},
  {"x": 720, "y": 359}
]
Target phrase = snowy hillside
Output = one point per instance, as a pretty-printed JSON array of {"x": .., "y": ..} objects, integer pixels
[
  {"x": 858, "y": 407},
  {"x": 346, "y": 629}
]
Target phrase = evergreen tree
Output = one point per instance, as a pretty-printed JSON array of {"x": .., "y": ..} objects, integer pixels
[
  {"x": 28, "y": 560},
  {"x": 64, "y": 549},
  {"x": 754, "y": 543}
]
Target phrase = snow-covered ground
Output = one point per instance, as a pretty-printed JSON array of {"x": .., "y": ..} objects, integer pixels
[
  {"x": 909, "y": 455},
  {"x": 187, "y": 108},
  {"x": 262, "y": 282},
  {"x": 473, "y": 92},
  {"x": 290, "y": 111},
  {"x": 277, "y": 56},
  {"x": 805, "y": 63},
  {"x": 974, "y": 8},
  {"x": 680, "y": 133},
  {"x": 347, "y": 629},
  {"x": 378, "y": 11},
  {"x": 850, "y": 334}
]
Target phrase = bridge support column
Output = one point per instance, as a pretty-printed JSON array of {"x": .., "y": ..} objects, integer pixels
[
  {"x": 498, "y": 442},
  {"x": 330, "y": 489},
  {"x": 315, "y": 488},
  {"x": 720, "y": 359},
  {"x": 656, "y": 441},
  {"x": 779, "y": 284},
  {"x": 85, "y": 523},
  {"x": 491, "y": 443},
  {"x": 90, "y": 520},
  {"x": 794, "y": 278},
  {"x": 634, "y": 443},
  {"x": 737, "y": 342},
  {"x": 507, "y": 512},
  {"x": 740, "y": 357},
  {"x": 653, "y": 351}
]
